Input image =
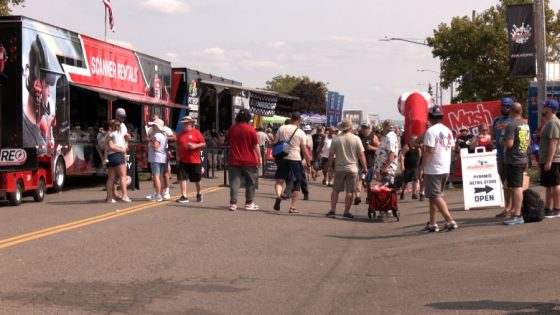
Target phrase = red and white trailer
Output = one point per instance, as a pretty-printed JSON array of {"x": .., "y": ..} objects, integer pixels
[{"x": 59, "y": 87}]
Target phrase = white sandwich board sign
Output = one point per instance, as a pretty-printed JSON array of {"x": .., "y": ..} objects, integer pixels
[{"x": 482, "y": 186}]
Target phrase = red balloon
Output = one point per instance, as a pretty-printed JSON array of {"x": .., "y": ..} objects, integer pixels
[{"x": 415, "y": 115}]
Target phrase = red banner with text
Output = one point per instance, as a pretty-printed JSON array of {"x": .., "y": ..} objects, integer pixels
[
  {"x": 110, "y": 67},
  {"x": 471, "y": 115}
]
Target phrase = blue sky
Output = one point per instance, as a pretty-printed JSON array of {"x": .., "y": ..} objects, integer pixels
[{"x": 334, "y": 41}]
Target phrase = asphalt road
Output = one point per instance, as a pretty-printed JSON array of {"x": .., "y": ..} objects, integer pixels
[{"x": 74, "y": 254}]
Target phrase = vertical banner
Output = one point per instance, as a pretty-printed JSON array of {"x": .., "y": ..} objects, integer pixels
[
  {"x": 521, "y": 41},
  {"x": 340, "y": 105},
  {"x": 332, "y": 100}
]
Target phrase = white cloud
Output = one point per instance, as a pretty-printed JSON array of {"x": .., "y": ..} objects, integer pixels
[
  {"x": 171, "y": 55},
  {"x": 121, "y": 43},
  {"x": 348, "y": 40},
  {"x": 214, "y": 52},
  {"x": 277, "y": 44},
  {"x": 166, "y": 6},
  {"x": 260, "y": 64}
]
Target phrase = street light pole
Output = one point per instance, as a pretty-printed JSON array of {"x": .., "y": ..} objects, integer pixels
[
  {"x": 541, "y": 54},
  {"x": 388, "y": 39},
  {"x": 440, "y": 100},
  {"x": 423, "y": 43}
]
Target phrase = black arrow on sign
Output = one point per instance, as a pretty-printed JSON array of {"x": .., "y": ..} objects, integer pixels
[{"x": 486, "y": 189}]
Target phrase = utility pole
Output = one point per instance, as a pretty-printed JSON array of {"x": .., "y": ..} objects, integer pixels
[
  {"x": 541, "y": 53},
  {"x": 439, "y": 92}
]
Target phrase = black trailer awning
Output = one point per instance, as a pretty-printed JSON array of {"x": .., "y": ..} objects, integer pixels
[{"x": 113, "y": 95}]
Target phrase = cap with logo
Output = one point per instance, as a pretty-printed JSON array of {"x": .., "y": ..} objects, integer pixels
[
  {"x": 507, "y": 101},
  {"x": 435, "y": 111},
  {"x": 552, "y": 104}
]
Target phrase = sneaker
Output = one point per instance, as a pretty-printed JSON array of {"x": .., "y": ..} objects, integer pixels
[
  {"x": 421, "y": 198},
  {"x": 450, "y": 186},
  {"x": 330, "y": 184},
  {"x": 251, "y": 207},
  {"x": 431, "y": 228},
  {"x": 514, "y": 220},
  {"x": 331, "y": 214},
  {"x": 305, "y": 196},
  {"x": 348, "y": 215},
  {"x": 166, "y": 196},
  {"x": 557, "y": 213},
  {"x": 157, "y": 198},
  {"x": 549, "y": 214},
  {"x": 277, "y": 204},
  {"x": 505, "y": 214},
  {"x": 232, "y": 207},
  {"x": 183, "y": 199},
  {"x": 414, "y": 196},
  {"x": 357, "y": 201},
  {"x": 199, "y": 198},
  {"x": 151, "y": 197},
  {"x": 450, "y": 226}
]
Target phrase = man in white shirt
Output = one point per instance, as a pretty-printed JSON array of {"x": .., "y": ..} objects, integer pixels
[
  {"x": 438, "y": 143},
  {"x": 385, "y": 166},
  {"x": 290, "y": 168}
]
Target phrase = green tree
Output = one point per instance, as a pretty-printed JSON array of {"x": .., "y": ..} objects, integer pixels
[
  {"x": 474, "y": 53},
  {"x": 312, "y": 96},
  {"x": 283, "y": 83},
  {"x": 4, "y": 5},
  {"x": 311, "y": 93}
]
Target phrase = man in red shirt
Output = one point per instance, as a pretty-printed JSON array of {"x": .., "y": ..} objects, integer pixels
[
  {"x": 243, "y": 160},
  {"x": 189, "y": 143}
]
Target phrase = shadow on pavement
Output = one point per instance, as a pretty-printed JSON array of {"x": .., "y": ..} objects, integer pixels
[
  {"x": 107, "y": 297},
  {"x": 379, "y": 237},
  {"x": 509, "y": 307}
]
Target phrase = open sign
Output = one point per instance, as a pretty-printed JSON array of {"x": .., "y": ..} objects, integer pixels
[{"x": 12, "y": 157}]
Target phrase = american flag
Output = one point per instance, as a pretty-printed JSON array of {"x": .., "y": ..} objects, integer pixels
[{"x": 109, "y": 7}]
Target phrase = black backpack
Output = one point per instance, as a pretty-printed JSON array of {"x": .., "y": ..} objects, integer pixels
[{"x": 532, "y": 207}]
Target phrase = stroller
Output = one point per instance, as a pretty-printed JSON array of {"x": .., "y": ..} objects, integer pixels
[{"x": 383, "y": 198}]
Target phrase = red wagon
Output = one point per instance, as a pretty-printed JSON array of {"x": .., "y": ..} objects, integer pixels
[{"x": 383, "y": 200}]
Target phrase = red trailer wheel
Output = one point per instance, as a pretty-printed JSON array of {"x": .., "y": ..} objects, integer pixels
[
  {"x": 15, "y": 197},
  {"x": 39, "y": 193}
]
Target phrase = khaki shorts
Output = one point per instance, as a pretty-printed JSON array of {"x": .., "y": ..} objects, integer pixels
[
  {"x": 434, "y": 185},
  {"x": 345, "y": 181}
]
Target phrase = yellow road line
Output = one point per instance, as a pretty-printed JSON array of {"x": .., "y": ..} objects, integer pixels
[{"x": 18, "y": 239}]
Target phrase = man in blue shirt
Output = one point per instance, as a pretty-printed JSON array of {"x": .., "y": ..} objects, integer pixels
[{"x": 498, "y": 128}]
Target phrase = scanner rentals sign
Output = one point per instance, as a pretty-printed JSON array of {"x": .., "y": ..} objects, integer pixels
[{"x": 482, "y": 186}]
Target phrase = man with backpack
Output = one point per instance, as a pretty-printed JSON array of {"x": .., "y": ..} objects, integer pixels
[
  {"x": 516, "y": 139},
  {"x": 549, "y": 152},
  {"x": 290, "y": 168}
]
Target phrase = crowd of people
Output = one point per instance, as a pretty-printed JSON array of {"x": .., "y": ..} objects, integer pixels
[{"x": 349, "y": 160}]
